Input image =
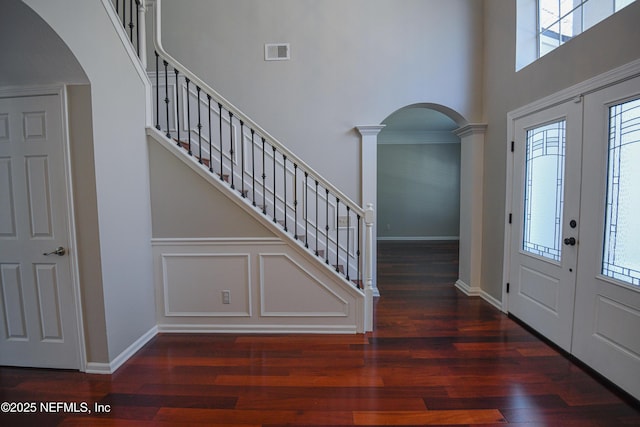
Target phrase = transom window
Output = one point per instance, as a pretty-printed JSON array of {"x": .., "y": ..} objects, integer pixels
[
  {"x": 561, "y": 20},
  {"x": 543, "y": 25}
]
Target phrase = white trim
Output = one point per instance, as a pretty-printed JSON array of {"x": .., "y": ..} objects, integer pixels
[
  {"x": 491, "y": 300},
  {"x": 370, "y": 130},
  {"x": 471, "y": 129},
  {"x": 575, "y": 92},
  {"x": 418, "y": 238},
  {"x": 110, "y": 368},
  {"x": 477, "y": 292},
  {"x": 601, "y": 81},
  {"x": 466, "y": 289},
  {"x": 258, "y": 329}
]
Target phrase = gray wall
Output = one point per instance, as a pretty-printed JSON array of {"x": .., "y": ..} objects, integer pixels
[
  {"x": 49, "y": 59},
  {"x": 612, "y": 43},
  {"x": 418, "y": 191},
  {"x": 184, "y": 205},
  {"x": 352, "y": 63}
]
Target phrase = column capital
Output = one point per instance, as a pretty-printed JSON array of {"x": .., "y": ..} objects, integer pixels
[
  {"x": 471, "y": 129},
  {"x": 370, "y": 130}
]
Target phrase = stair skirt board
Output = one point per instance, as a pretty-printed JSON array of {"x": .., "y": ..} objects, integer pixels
[{"x": 249, "y": 285}]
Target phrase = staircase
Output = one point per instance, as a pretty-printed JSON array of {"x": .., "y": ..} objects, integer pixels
[{"x": 253, "y": 168}]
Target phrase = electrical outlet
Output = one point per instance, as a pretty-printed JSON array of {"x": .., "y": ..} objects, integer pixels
[
  {"x": 226, "y": 297},
  {"x": 343, "y": 221}
]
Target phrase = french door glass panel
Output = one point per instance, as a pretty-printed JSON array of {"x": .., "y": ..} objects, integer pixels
[
  {"x": 621, "y": 258},
  {"x": 544, "y": 189}
]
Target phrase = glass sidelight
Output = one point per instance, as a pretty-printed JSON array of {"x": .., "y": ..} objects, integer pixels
[
  {"x": 544, "y": 190},
  {"x": 621, "y": 258}
]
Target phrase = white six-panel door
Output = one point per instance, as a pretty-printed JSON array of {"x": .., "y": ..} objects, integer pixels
[{"x": 38, "y": 321}]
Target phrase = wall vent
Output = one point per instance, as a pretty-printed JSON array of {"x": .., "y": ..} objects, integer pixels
[{"x": 277, "y": 52}]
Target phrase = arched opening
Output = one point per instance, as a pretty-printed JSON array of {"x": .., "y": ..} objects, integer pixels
[
  {"x": 418, "y": 177},
  {"x": 471, "y": 136}
]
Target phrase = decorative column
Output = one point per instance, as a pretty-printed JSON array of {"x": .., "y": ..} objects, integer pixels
[
  {"x": 471, "y": 191},
  {"x": 369, "y": 184}
]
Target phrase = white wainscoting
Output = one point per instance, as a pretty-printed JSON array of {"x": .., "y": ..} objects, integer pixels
[{"x": 273, "y": 287}]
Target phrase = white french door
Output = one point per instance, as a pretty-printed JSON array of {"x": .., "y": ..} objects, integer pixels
[
  {"x": 38, "y": 321},
  {"x": 607, "y": 313},
  {"x": 574, "y": 251},
  {"x": 545, "y": 211}
]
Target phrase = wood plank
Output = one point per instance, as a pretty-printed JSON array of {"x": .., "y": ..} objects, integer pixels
[{"x": 452, "y": 417}]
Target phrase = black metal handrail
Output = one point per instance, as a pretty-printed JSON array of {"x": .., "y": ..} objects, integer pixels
[{"x": 259, "y": 168}]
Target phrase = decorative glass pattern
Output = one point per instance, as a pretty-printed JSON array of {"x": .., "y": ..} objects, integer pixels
[
  {"x": 544, "y": 190},
  {"x": 621, "y": 257}
]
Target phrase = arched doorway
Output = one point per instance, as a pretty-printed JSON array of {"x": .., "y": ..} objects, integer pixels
[
  {"x": 471, "y": 188},
  {"x": 418, "y": 176}
]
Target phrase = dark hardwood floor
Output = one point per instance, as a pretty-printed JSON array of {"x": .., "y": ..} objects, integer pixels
[{"x": 436, "y": 357}]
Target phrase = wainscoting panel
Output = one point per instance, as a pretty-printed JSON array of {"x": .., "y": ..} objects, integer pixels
[
  {"x": 250, "y": 285},
  {"x": 282, "y": 280},
  {"x": 196, "y": 284}
]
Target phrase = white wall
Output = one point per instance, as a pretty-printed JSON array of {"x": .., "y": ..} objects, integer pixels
[
  {"x": 611, "y": 43},
  {"x": 352, "y": 63},
  {"x": 121, "y": 166}
]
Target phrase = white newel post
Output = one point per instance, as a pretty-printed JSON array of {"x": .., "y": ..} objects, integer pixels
[
  {"x": 369, "y": 183},
  {"x": 369, "y": 217},
  {"x": 142, "y": 34}
]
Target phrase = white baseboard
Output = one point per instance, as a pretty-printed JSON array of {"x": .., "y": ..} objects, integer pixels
[
  {"x": 466, "y": 289},
  {"x": 258, "y": 329},
  {"x": 110, "y": 368},
  {"x": 477, "y": 292}
]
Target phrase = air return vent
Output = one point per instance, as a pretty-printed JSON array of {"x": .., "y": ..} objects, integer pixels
[{"x": 277, "y": 52}]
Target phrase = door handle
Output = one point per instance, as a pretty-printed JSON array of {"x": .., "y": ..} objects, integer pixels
[
  {"x": 58, "y": 251},
  {"x": 570, "y": 241}
]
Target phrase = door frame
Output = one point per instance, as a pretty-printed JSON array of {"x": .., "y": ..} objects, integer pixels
[
  {"x": 575, "y": 93},
  {"x": 61, "y": 92}
]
